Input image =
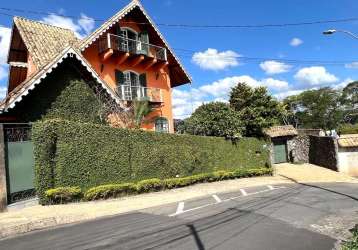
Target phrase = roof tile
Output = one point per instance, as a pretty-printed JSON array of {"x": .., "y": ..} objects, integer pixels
[{"x": 42, "y": 40}]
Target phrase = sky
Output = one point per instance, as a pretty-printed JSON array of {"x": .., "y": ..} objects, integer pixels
[{"x": 287, "y": 60}]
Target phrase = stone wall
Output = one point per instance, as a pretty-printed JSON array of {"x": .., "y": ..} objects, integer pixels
[
  {"x": 298, "y": 149},
  {"x": 323, "y": 151}
]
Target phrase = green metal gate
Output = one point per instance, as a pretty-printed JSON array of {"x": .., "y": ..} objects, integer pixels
[
  {"x": 280, "y": 151},
  {"x": 19, "y": 159}
]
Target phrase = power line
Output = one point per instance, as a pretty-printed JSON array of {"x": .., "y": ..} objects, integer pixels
[
  {"x": 188, "y": 53},
  {"x": 268, "y": 25}
]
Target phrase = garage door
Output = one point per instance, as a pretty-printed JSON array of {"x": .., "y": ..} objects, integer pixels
[{"x": 280, "y": 152}]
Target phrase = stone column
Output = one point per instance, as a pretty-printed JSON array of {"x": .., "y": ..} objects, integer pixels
[{"x": 3, "y": 192}]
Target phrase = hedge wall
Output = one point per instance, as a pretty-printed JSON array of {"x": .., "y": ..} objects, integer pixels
[{"x": 87, "y": 155}]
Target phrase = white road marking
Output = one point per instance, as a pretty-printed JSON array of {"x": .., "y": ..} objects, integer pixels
[
  {"x": 243, "y": 192},
  {"x": 180, "y": 208},
  {"x": 270, "y": 187},
  {"x": 218, "y": 200}
]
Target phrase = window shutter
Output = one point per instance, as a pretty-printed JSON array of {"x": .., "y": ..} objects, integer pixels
[
  {"x": 144, "y": 38},
  {"x": 119, "y": 77},
  {"x": 143, "y": 80}
]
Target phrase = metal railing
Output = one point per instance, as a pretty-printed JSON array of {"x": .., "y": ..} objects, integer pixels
[
  {"x": 131, "y": 93},
  {"x": 123, "y": 44}
]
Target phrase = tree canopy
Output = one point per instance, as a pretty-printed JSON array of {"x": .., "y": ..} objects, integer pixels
[
  {"x": 321, "y": 108},
  {"x": 255, "y": 107},
  {"x": 214, "y": 119}
]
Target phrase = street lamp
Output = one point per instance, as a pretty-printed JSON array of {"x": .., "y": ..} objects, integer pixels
[{"x": 332, "y": 31}]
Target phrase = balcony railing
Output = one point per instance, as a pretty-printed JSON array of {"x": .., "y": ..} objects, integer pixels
[
  {"x": 123, "y": 44},
  {"x": 131, "y": 93}
]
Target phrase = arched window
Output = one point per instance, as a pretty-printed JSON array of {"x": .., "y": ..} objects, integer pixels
[{"x": 162, "y": 125}]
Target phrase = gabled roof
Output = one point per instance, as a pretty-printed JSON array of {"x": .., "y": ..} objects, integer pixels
[
  {"x": 43, "y": 41},
  {"x": 348, "y": 141},
  {"x": 23, "y": 89},
  {"x": 135, "y": 4},
  {"x": 278, "y": 131}
]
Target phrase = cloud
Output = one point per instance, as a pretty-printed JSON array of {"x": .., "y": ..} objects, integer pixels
[
  {"x": 352, "y": 65},
  {"x": 186, "y": 101},
  {"x": 274, "y": 67},
  {"x": 212, "y": 59},
  {"x": 344, "y": 83},
  {"x": 81, "y": 27},
  {"x": 5, "y": 34},
  {"x": 296, "y": 42},
  {"x": 316, "y": 75},
  {"x": 86, "y": 23},
  {"x": 3, "y": 72},
  {"x": 283, "y": 95},
  {"x": 3, "y": 91},
  {"x": 274, "y": 83}
]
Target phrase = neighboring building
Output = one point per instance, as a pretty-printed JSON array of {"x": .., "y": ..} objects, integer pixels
[
  {"x": 348, "y": 154},
  {"x": 126, "y": 56},
  {"x": 281, "y": 138}
]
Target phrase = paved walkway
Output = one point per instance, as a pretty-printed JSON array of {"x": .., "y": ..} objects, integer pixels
[{"x": 38, "y": 217}]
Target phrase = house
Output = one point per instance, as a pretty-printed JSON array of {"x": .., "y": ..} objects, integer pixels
[
  {"x": 52, "y": 72},
  {"x": 281, "y": 138}
]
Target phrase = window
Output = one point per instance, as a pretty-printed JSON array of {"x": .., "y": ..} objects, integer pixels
[
  {"x": 161, "y": 125},
  {"x": 132, "y": 41}
]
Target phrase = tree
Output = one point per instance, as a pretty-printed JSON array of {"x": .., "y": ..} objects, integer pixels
[
  {"x": 214, "y": 119},
  {"x": 256, "y": 108},
  {"x": 350, "y": 102},
  {"x": 124, "y": 114},
  {"x": 321, "y": 108}
]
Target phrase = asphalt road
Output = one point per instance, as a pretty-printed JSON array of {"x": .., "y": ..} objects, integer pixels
[{"x": 266, "y": 217}]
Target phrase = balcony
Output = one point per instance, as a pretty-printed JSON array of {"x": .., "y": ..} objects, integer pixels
[
  {"x": 120, "y": 44},
  {"x": 131, "y": 93}
]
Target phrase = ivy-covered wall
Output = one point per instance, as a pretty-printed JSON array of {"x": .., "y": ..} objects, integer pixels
[
  {"x": 87, "y": 155},
  {"x": 62, "y": 94}
]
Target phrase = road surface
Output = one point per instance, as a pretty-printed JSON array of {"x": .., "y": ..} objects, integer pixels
[{"x": 267, "y": 217}]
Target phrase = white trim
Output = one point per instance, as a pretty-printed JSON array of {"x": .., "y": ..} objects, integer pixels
[
  {"x": 37, "y": 78},
  {"x": 19, "y": 64}
]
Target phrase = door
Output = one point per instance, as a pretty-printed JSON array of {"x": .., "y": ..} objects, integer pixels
[
  {"x": 19, "y": 159},
  {"x": 280, "y": 151}
]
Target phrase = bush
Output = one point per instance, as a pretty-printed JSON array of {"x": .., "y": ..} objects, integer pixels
[
  {"x": 352, "y": 244},
  {"x": 149, "y": 185},
  {"x": 118, "y": 190},
  {"x": 348, "y": 129},
  {"x": 62, "y": 195},
  {"x": 110, "y": 191},
  {"x": 88, "y": 155}
]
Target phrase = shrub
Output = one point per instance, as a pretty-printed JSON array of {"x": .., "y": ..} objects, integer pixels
[
  {"x": 352, "y": 244},
  {"x": 110, "y": 191},
  {"x": 87, "y": 155},
  {"x": 149, "y": 185},
  {"x": 62, "y": 195},
  {"x": 348, "y": 129}
]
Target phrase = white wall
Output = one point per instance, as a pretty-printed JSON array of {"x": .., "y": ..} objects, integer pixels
[{"x": 348, "y": 161}]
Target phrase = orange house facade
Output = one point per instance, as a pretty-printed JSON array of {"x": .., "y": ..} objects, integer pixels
[{"x": 127, "y": 55}]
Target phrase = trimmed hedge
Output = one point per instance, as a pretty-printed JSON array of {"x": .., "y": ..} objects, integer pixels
[
  {"x": 87, "y": 155},
  {"x": 153, "y": 185},
  {"x": 63, "y": 195}
]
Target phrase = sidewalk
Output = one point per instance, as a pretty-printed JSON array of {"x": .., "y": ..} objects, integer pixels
[{"x": 39, "y": 217}]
